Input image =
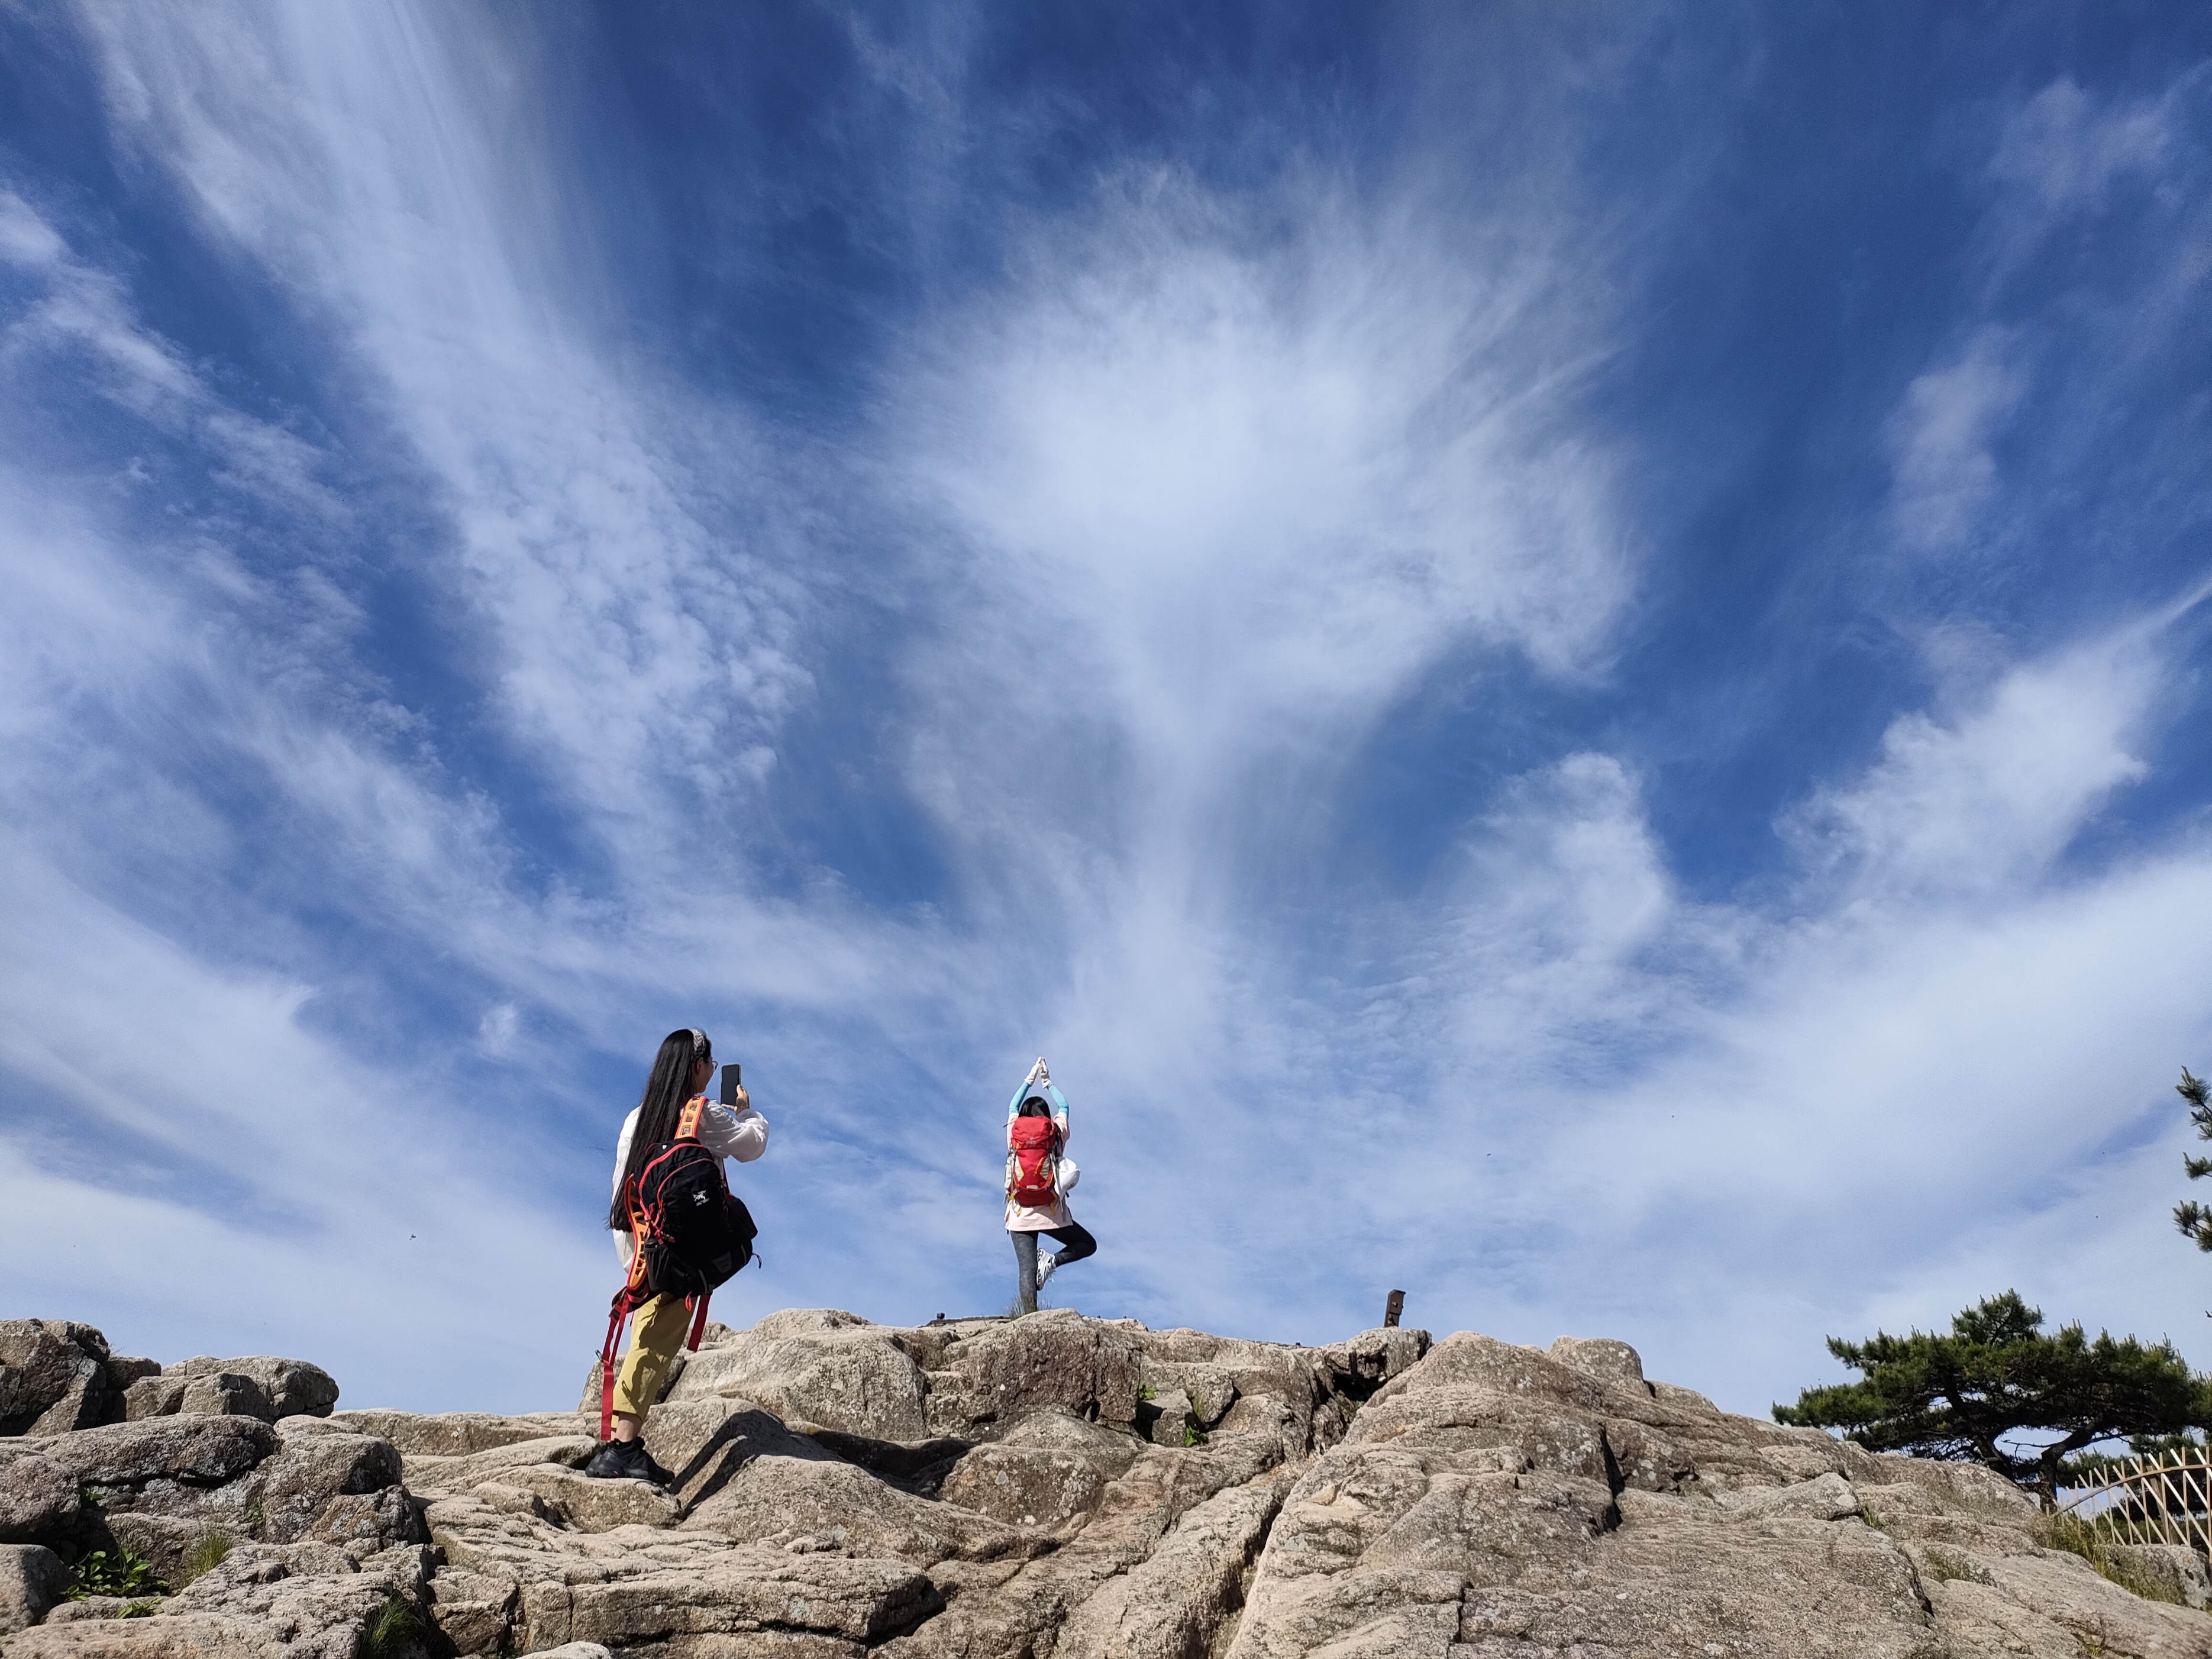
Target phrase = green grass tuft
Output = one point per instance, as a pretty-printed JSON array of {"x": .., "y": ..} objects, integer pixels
[
  {"x": 2093, "y": 1544},
  {"x": 395, "y": 1629},
  {"x": 207, "y": 1555}
]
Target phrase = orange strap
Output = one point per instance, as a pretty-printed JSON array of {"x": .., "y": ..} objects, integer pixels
[
  {"x": 687, "y": 1127},
  {"x": 640, "y": 1229}
]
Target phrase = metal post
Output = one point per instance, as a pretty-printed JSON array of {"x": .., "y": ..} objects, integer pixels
[{"x": 1393, "y": 1307}]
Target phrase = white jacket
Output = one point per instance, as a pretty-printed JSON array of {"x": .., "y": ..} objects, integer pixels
[{"x": 736, "y": 1132}]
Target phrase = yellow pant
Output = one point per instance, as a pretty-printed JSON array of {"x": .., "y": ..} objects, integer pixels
[{"x": 662, "y": 1325}]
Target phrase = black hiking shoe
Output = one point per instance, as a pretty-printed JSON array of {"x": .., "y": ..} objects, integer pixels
[{"x": 627, "y": 1460}]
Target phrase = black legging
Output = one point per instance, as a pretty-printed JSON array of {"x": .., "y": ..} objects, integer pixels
[{"x": 1075, "y": 1242}]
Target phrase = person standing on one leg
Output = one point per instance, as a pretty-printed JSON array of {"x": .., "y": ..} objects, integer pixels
[
  {"x": 1039, "y": 1176},
  {"x": 681, "y": 1071}
]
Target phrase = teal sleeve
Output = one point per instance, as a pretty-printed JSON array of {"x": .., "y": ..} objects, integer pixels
[{"x": 1060, "y": 1100}]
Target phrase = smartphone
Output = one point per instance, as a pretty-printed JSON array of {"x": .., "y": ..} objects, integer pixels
[{"x": 729, "y": 1084}]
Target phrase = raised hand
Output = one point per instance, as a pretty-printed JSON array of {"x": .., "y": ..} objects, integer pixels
[{"x": 1039, "y": 1072}]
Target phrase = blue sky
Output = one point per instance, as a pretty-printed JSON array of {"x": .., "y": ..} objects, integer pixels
[{"x": 1558, "y": 654}]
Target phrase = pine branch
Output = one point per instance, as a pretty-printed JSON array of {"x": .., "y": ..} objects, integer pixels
[
  {"x": 2194, "y": 1221},
  {"x": 2199, "y": 1094}
]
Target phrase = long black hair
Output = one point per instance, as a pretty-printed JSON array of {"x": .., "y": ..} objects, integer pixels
[{"x": 659, "y": 1108}]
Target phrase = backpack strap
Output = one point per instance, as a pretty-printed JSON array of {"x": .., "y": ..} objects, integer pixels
[
  {"x": 628, "y": 1300},
  {"x": 634, "y": 1294},
  {"x": 640, "y": 1229},
  {"x": 687, "y": 1127}
]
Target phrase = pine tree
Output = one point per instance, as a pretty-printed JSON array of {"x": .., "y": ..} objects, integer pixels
[
  {"x": 2194, "y": 1220},
  {"x": 1955, "y": 1397}
]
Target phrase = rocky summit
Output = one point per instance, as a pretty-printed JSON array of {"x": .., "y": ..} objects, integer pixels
[{"x": 1050, "y": 1487}]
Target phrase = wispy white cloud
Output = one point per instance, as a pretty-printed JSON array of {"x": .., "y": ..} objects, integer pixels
[
  {"x": 83, "y": 311},
  {"x": 1940, "y": 444},
  {"x": 1982, "y": 803},
  {"x": 501, "y": 1025},
  {"x": 1215, "y": 493},
  {"x": 1938, "y": 1078},
  {"x": 359, "y": 158},
  {"x": 2068, "y": 147},
  {"x": 1179, "y": 511},
  {"x": 227, "y": 1177}
]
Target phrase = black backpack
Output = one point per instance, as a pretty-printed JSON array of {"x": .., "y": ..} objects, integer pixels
[{"x": 697, "y": 1234}]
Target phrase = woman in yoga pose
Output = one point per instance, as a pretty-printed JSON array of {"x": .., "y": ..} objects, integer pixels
[{"x": 1039, "y": 1176}]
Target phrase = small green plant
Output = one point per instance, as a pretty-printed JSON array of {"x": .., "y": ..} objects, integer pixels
[
  {"x": 1193, "y": 1435},
  {"x": 1943, "y": 1566},
  {"x": 123, "y": 1572},
  {"x": 206, "y": 1556},
  {"x": 255, "y": 1520},
  {"x": 92, "y": 1498},
  {"x": 138, "y": 1610},
  {"x": 2086, "y": 1539},
  {"x": 392, "y": 1630},
  {"x": 1147, "y": 1393}
]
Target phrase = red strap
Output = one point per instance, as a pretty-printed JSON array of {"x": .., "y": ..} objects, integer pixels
[
  {"x": 634, "y": 1294},
  {"x": 624, "y": 1304},
  {"x": 699, "y": 1320}
]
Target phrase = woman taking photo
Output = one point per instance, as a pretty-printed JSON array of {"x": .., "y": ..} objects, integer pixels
[{"x": 681, "y": 1072}]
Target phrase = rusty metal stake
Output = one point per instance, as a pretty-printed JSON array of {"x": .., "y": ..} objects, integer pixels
[{"x": 1393, "y": 1307}]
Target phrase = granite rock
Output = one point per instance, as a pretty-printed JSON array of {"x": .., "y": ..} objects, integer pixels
[
  {"x": 204, "y": 1451},
  {"x": 32, "y": 1579},
  {"x": 38, "y": 1494},
  {"x": 995, "y": 1489},
  {"x": 53, "y": 1376}
]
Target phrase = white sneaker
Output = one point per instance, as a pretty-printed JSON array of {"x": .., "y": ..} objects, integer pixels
[{"x": 1045, "y": 1264}]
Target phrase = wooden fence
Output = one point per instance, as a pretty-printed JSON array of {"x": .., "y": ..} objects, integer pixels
[{"x": 2166, "y": 1500}]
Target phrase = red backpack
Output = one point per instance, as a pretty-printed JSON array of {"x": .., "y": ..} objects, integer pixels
[{"x": 1033, "y": 1162}]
